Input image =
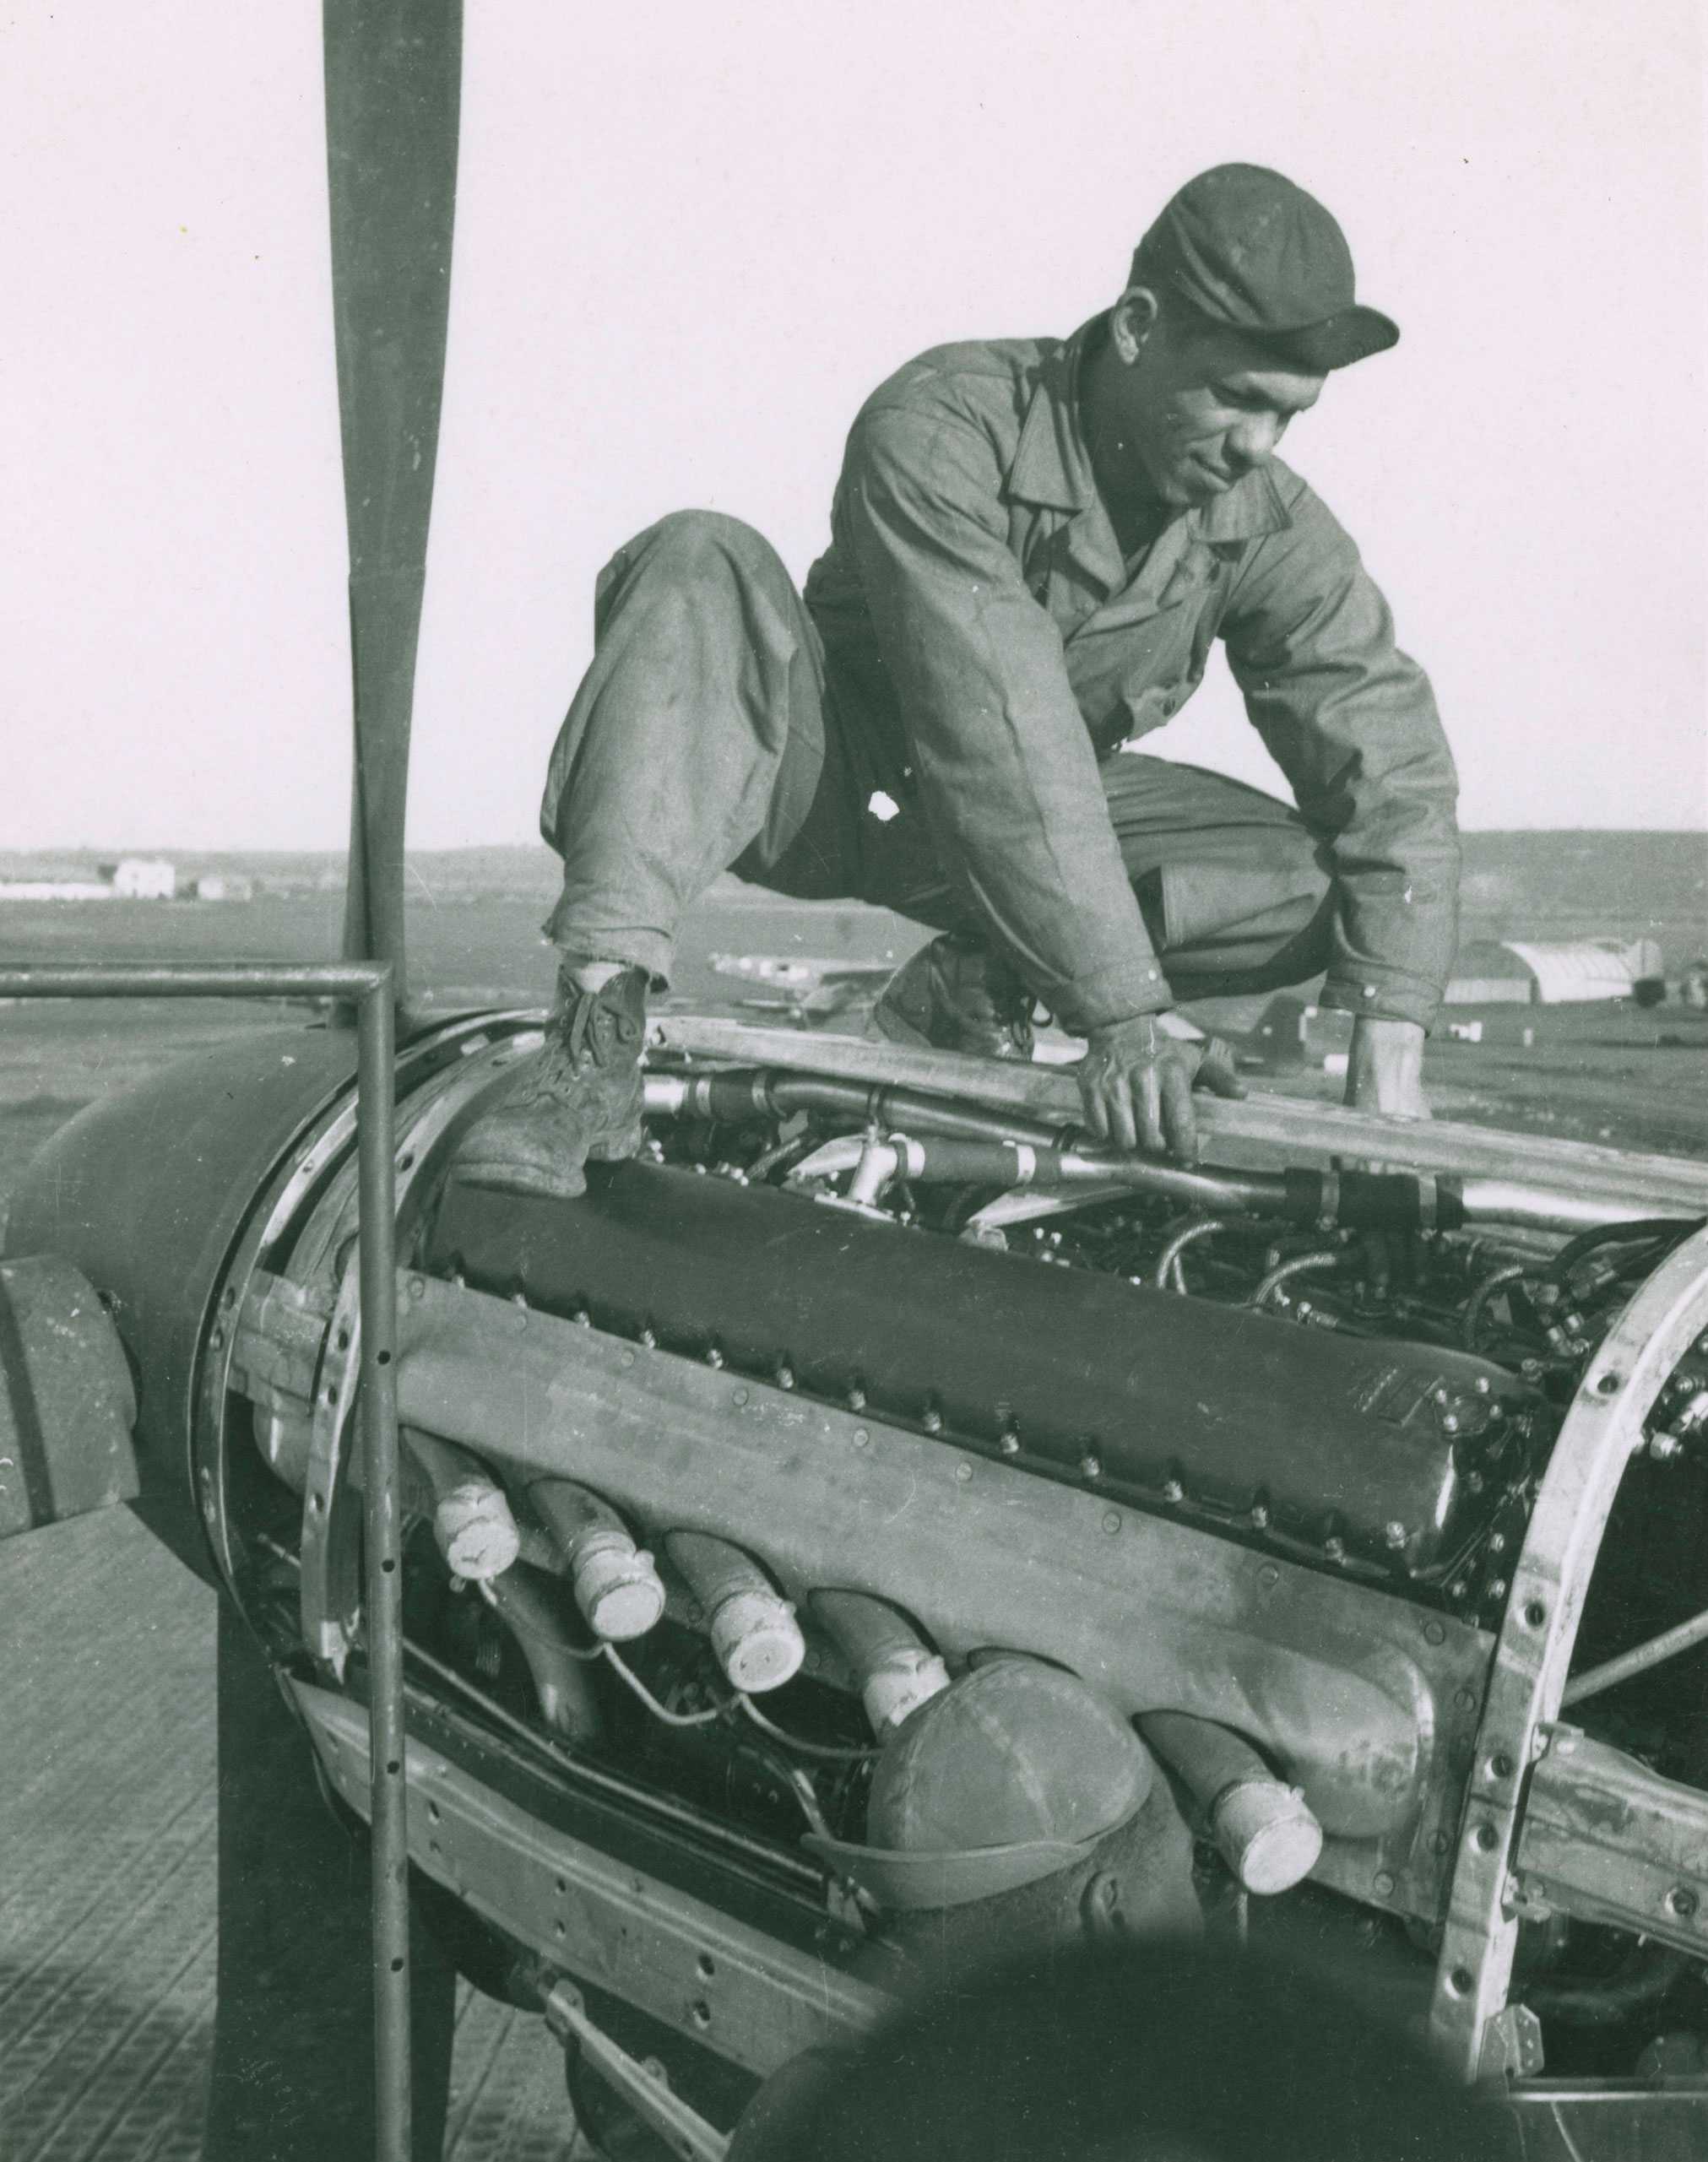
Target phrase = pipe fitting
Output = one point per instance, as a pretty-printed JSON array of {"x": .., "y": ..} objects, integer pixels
[
  {"x": 528, "y": 1602},
  {"x": 894, "y": 1669},
  {"x": 1264, "y": 1829},
  {"x": 752, "y": 1627},
  {"x": 473, "y": 1525},
  {"x": 616, "y": 1584}
]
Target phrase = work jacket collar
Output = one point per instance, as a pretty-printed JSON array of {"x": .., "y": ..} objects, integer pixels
[{"x": 1052, "y": 469}]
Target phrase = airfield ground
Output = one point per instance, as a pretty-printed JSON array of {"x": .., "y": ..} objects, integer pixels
[
  {"x": 1630, "y": 1077},
  {"x": 107, "y": 1811}
]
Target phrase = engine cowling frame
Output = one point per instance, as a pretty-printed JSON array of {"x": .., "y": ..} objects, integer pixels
[{"x": 1473, "y": 2020}]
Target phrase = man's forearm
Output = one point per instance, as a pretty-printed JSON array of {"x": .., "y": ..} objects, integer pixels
[
  {"x": 1384, "y": 1068},
  {"x": 1352, "y": 721}
]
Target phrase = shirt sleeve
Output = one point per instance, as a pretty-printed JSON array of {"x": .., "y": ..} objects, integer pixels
[
  {"x": 1352, "y": 721},
  {"x": 1007, "y": 773}
]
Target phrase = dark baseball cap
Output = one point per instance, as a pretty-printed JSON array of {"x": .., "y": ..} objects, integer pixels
[
  {"x": 1246, "y": 249},
  {"x": 1014, "y": 1773}
]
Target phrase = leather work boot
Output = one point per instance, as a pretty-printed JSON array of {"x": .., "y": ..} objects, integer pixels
[
  {"x": 955, "y": 994},
  {"x": 578, "y": 1101}
]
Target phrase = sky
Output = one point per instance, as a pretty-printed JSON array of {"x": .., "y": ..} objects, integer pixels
[{"x": 690, "y": 238}]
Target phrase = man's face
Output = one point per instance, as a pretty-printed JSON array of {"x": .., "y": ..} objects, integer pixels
[{"x": 1198, "y": 407}]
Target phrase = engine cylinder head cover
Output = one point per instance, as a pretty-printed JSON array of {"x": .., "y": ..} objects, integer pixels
[
  {"x": 1015, "y": 1772},
  {"x": 1052, "y": 1367}
]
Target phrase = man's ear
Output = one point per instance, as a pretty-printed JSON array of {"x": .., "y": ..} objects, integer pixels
[{"x": 1131, "y": 321}]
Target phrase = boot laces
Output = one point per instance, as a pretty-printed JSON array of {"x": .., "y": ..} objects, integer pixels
[{"x": 596, "y": 1029}]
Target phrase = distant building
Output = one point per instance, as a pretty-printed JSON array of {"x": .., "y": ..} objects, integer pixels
[
  {"x": 1487, "y": 973},
  {"x": 1292, "y": 1031},
  {"x": 144, "y": 878},
  {"x": 225, "y": 885},
  {"x": 1526, "y": 971},
  {"x": 55, "y": 889}
]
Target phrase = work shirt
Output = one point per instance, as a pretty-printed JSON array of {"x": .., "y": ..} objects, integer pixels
[{"x": 988, "y": 645}]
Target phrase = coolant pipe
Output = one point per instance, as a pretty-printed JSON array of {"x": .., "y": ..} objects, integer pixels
[
  {"x": 1638, "y": 1983},
  {"x": 1355, "y": 1200},
  {"x": 953, "y": 1160},
  {"x": 1261, "y": 1826},
  {"x": 616, "y": 1584},
  {"x": 472, "y": 1522},
  {"x": 1544, "y": 1208},
  {"x": 894, "y": 1669},
  {"x": 738, "y": 1096},
  {"x": 752, "y": 1626},
  {"x": 528, "y": 1601}
]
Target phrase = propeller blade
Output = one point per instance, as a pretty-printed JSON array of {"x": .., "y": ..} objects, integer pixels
[{"x": 393, "y": 71}]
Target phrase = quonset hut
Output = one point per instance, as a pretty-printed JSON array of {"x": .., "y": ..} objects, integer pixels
[{"x": 1524, "y": 971}]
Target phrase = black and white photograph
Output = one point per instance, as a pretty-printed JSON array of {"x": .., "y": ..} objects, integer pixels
[{"x": 854, "y": 1081}]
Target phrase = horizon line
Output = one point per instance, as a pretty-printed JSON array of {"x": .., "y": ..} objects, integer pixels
[{"x": 469, "y": 848}]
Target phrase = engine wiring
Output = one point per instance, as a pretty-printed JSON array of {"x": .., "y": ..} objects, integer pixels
[
  {"x": 827, "y": 1753},
  {"x": 632, "y": 1681}
]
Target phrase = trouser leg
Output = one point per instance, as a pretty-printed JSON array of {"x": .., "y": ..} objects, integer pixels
[
  {"x": 697, "y": 742},
  {"x": 1230, "y": 883},
  {"x": 294, "y": 2030}
]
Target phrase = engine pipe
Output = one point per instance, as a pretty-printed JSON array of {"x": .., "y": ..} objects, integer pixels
[
  {"x": 894, "y": 1669},
  {"x": 1594, "y": 1680},
  {"x": 1168, "y": 1270},
  {"x": 752, "y": 1625},
  {"x": 616, "y": 1584},
  {"x": 1262, "y": 1827},
  {"x": 1301, "y": 1265},
  {"x": 527, "y": 1602},
  {"x": 1019, "y": 1151},
  {"x": 472, "y": 1526}
]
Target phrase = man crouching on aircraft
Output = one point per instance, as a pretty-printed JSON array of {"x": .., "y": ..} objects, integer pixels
[{"x": 1033, "y": 545}]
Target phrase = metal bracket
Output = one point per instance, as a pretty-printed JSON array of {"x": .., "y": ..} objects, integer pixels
[
  {"x": 330, "y": 1589},
  {"x": 646, "y": 2091},
  {"x": 1534, "y": 1649},
  {"x": 1511, "y": 2046}
]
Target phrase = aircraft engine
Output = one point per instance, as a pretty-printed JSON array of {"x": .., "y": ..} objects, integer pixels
[{"x": 866, "y": 1529}]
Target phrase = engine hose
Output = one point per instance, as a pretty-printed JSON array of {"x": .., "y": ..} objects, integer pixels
[
  {"x": 1300, "y": 1265},
  {"x": 1476, "y": 1304},
  {"x": 781, "y": 1154},
  {"x": 830, "y": 1753},
  {"x": 1636, "y": 1986},
  {"x": 1168, "y": 1261},
  {"x": 522, "y": 1619},
  {"x": 1669, "y": 1228}
]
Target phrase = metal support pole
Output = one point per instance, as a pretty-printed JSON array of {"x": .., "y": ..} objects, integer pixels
[
  {"x": 389, "y": 1788},
  {"x": 1685, "y": 1637},
  {"x": 368, "y": 984}
]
